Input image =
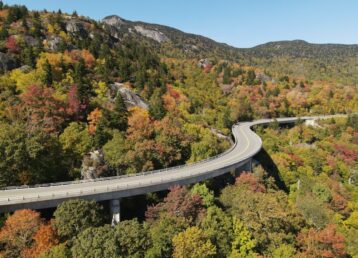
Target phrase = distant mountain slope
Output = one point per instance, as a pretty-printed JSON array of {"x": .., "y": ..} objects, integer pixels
[
  {"x": 301, "y": 48},
  {"x": 190, "y": 45},
  {"x": 296, "y": 58}
]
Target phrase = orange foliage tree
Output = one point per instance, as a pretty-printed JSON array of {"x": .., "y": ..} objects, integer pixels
[
  {"x": 18, "y": 231},
  {"x": 44, "y": 239},
  {"x": 93, "y": 119}
]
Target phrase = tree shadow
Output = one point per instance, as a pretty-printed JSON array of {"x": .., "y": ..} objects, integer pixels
[{"x": 269, "y": 165}]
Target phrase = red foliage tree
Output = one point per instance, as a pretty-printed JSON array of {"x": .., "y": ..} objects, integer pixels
[
  {"x": 178, "y": 203},
  {"x": 42, "y": 109},
  {"x": 250, "y": 181},
  {"x": 174, "y": 93},
  {"x": 322, "y": 243},
  {"x": 348, "y": 155},
  {"x": 11, "y": 44},
  {"x": 74, "y": 106}
]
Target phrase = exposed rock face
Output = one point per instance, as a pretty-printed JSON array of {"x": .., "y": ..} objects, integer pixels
[
  {"x": 130, "y": 98},
  {"x": 54, "y": 42},
  {"x": 114, "y": 20},
  {"x": 75, "y": 26},
  {"x": 153, "y": 34},
  {"x": 7, "y": 63},
  {"x": 93, "y": 165}
]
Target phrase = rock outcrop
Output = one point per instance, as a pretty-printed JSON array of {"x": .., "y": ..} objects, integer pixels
[
  {"x": 153, "y": 34},
  {"x": 93, "y": 165},
  {"x": 114, "y": 20},
  {"x": 76, "y": 27},
  {"x": 53, "y": 43},
  {"x": 130, "y": 98}
]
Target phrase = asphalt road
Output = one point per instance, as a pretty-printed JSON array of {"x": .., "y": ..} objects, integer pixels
[{"x": 246, "y": 145}]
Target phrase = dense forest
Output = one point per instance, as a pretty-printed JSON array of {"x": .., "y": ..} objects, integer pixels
[
  {"x": 312, "y": 213},
  {"x": 82, "y": 99}
]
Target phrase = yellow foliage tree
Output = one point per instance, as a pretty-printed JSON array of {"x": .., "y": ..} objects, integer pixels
[{"x": 193, "y": 243}]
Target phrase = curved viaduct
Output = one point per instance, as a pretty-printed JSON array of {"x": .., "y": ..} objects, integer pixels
[{"x": 246, "y": 145}]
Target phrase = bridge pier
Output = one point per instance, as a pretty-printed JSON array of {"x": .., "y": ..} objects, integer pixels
[
  {"x": 115, "y": 207},
  {"x": 246, "y": 167}
]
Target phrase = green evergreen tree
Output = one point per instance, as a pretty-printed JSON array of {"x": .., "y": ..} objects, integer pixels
[
  {"x": 251, "y": 77},
  {"x": 227, "y": 76},
  {"x": 84, "y": 90},
  {"x": 4, "y": 34},
  {"x": 28, "y": 56},
  {"x": 36, "y": 25},
  {"x": 156, "y": 109},
  {"x": 48, "y": 78}
]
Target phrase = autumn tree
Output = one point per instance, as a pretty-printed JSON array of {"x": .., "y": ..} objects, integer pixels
[
  {"x": 243, "y": 243},
  {"x": 264, "y": 214},
  {"x": 12, "y": 45},
  {"x": 162, "y": 232},
  {"x": 178, "y": 203},
  {"x": 42, "y": 110},
  {"x": 322, "y": 243},
  {"x": 193, "y": 242},
  {"x": 218, "y": 226},
  {"x": 74, "y": 107},
  {"x": 205, "y": 194},
  {"x": 44, "y": 239},
  {"x": 18, "y": 231}
]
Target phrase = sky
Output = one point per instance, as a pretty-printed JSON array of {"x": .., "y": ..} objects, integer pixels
[{"x": 240, "y": 23}]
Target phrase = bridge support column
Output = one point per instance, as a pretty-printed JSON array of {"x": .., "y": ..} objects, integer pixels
[
  {"x": 247, "y": 167},
  {"x": 115, "y": 206}
]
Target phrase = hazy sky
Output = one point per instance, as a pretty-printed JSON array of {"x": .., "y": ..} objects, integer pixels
[{"x": 241, "y": 23}]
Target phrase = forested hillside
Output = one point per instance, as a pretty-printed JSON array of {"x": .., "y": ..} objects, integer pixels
[
  {"x": 333, "y": 62},
  {"x": 314, "y": 215},
  {"x": 82, "y": 99}
]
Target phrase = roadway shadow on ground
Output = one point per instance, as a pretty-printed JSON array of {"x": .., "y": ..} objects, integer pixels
[
  {"x": 270, "y": 167},
  {"x": 136, "y": 206}
]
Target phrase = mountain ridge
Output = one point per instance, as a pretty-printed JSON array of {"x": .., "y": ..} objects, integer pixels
[{"x": 331, "y": 61}]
